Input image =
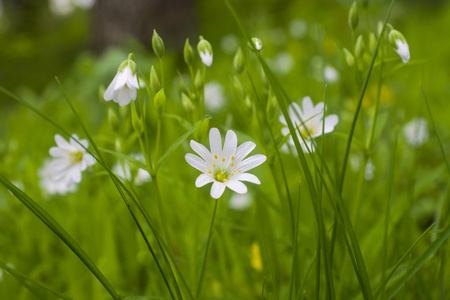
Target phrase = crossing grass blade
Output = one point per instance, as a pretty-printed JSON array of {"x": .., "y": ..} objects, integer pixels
[{"x": 54, "y": 226}]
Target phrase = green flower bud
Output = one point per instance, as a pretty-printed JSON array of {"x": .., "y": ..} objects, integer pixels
[
  {"x": 238, "y": 87},
  {"x": 399, "y": 44},
  {"x": 155, "y": 84},
  {"x": 365, "y": 3},
  {"x": 136, "y": 121},
  {"x": 188, "y": 53},
  {"x": 205, "y": 51},
  {"x": 272, "y": 105},
  {"x": 160, "y": 102},
  {"x": 199, "y": 81},
  {"x": 353, "y": 17},
  {"x": 187, "y": 103},
  {"x": 255, "y": 45},
  {"x": 128, "y": 63},
  {"x": 248, "y": 104},
  {"x": 379, "y": 28},
  {"x": 372, "y": 42},
  {"x": 238, "y": 61},
  {"x": 158, "y": 45},
  {"x": 359, "y": 46},
  {"x": 349, "y": 59},
  {"x": 113, "y": 120}
]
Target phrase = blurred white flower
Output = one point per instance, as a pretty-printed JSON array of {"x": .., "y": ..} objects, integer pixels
[
  {"x": 50, "y": 186},
  {"x": 330, "y": 74},
  {"x": 69, "y": 159},
  {"x": 402, "y": 50},
  {"x": 298, "y": 29},
  {"x": 240, "y": 201},
  {"x": 224, "y": 167},
  {"x": 308, "y": 123},
  {"x": 214, "y": 98},
  {"x": 61, "y": 7},
  {"x": 1, "y": 275},
  {"x": 123, "y": 87},
  {"x": 416, "y": 132},
  {"x": 124, "y": 170},
  {"x": 369, "y": 172},
  {"x": 85, "y": 4},
  {"x": 229, "y": 43},
  {"x": 283, "y": 63}
]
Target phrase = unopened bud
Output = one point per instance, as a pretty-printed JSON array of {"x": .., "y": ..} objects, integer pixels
[
  {"x": 372, "y": 42},
  {"x": 364, "y": 3},
  {"x": 205, "y": 51},
  {"x": 155, "y": 84},
  {"x": 272, "y": 105},
  {"x": 113, "y": 120},
  {"x": 248, "y": 104},
  {"x": 187, "y": 103},
  {"x": 256, "y": 44},
  {"x": 349, "y": 59},
  {"x": 159, "y": 101},
  {"x": 238, "y": 86},
  {"x": 400, "y": 45},
  {"x": 238, "y": 61},
  {"x": 188, "y": 53},
  {"x": 158, "y": 45},
  {"x": 359, "y": 46},
  {"x": 353, "y": 18}
]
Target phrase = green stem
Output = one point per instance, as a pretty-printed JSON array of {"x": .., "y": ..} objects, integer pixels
[
  {"x": 208, "y": 242},
  {"x": 158, "y": 139}
]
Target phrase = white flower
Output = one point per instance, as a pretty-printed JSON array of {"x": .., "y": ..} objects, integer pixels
[
  {"x": 330, "y": 74},
  {"x": 308, "y": 123},
  {"x": 240, "y": 201},
  {"x": 369, "y": 172},
  {"x": 214, "y": 98},
  {"x": 124, "y": 171},
  {"x": 70, "y": 159},
  {"x": 402, "y": 50},
  {"x": 207, "y": 57},
  {"x": 123, "y": 87},
  {"x": 416, "y": 132},
  {"x": 50, "y": 186},
  {"x": 224, "y": 167},
  {"x": 205, "y": 51}
]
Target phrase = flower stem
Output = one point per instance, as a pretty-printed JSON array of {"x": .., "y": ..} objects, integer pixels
[{"x": 200, "y": 280}]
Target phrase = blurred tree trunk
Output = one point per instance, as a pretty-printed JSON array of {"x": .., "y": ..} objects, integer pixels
[{"x": 117, "y": 20}]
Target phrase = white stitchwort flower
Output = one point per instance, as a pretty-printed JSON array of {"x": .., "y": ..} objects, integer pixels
[
  {"x": 400, "y": 45},
  {"x": 308, "y": 123},
  {"x": 241, "y": 201},
  {"x": 50, "y": 186},
  {"x": 205, "y": 51},
  {"x": 69, "y": 159},
  {"x": 127, "y": 172},
  {"x": 224, "y": 167},
  {"x": 416, "y": 132},
  {"x": 123, "y": 87},
  {"x": 214, "y": 98}
]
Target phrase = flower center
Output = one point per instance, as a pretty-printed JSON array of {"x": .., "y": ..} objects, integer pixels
[
  {"x": 221, "y": 175},
  {"x": 307, "y": 131},
  {"x": 75, "y": 157}
]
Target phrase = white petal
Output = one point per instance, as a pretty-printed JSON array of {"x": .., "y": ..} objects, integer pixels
[
  {"x": 229, "y": 147},
  {"x": 62, "y": 143},
  {"x": 196, "y": 162},
  {"x": 202, "y": 180},
  {"x": 207, "y": 58},
  {"x": 308, "y": 107},
  {"x": 109, "y": 93},
  {"x": 330, "y": 122},
  {"x": 285, "y": 130},
  {"x": 251, "y": 162},
  {"x": 58, "y": 152},
  {"x": 201, "y": 150},
  {"x": 215, "y": 142},
  {"x": 121, "y": 79},
  {"x": 217, "y": 189},
  {"x": 318, "y": 110},
  {"x": 237, "y": 186},
  {"x": 282, "y": 119},
  {"x": 243, "y": 150},
  {"x": 132, "y": 82},
  {"x": 88, "y": 159},
  {"x": 295, "y": 113},
  {"x": 248, "y": 177},
  {"x": 75, "y": 174}
]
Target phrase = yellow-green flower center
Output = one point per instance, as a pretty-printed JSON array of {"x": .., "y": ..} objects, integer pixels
[
  {"x": 221, "y": 175},
  {"x": 306, "y": 132},
  {"x": 76, "y": 157}
]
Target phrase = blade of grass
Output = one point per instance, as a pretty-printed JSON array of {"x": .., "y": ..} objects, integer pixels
[
  {"x": 130, "y": 159},
  {"x": 54, "y": 226}
]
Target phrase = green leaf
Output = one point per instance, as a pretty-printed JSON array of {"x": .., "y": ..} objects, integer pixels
[{"x": 185, "y": 123}]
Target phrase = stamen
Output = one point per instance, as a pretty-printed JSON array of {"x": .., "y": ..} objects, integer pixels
[
  {"x": 223, "y": 159},
  {"x": 232, "y": 158},
  {"x": 239, "y": 171},
  {"x": 209, "y": 171},
  {"x": 218, "y": 176},
  {"x": 214, "y": 165},
  {"x": 215, "y": 156},
  {"x": 232, "y": 164},
  {"x": 232, "y": 174},
  {"x": 225, "y": 180}
]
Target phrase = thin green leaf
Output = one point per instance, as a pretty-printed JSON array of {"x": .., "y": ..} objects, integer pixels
[{"x": 185, "y": 123}]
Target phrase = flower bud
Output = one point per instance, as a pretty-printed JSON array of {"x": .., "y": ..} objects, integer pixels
[
  {"x": 113, "y": 120},
  {"x": 272, "y": 106},
  {"x": 155, "y": 84},
  {"x": 188, "y": 53},
  {"x": 353, "y": 17},
  {"x": 248, "y": 105},
  {"x": 359, "y": 46},
  {"x": 199, "y": 81},
  {"x": 238, "y": 61},
  {"x": 365, "y": 3},
  {"x": 349, "y": 59},
  {"x": 158, "y": 45},
  {"x": 205, "y": 51},
  {"x": 379, "y": 28},
  {"x": 256, "y": 44},
  {"x": 187, "y": 103},
  {"x": 400, "y": 45},
  {"x": 159, "y": 101}
]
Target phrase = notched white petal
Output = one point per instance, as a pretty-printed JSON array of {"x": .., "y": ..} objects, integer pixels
[
  {"x": 196, "y": 162},
  {"x": 237, "y": 186},
  {"x": 202, "y": 180},
  {"x": 217, "y": 189}
]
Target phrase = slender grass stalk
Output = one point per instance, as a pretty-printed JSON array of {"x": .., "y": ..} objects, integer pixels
[
  {"x": 208, "y": 242},
  {"x": 65, "y": 237},
  {"x": 294, "y": 265},
  {"x": 308, "y": 271},
  {"x": 267, "y": 256}
]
